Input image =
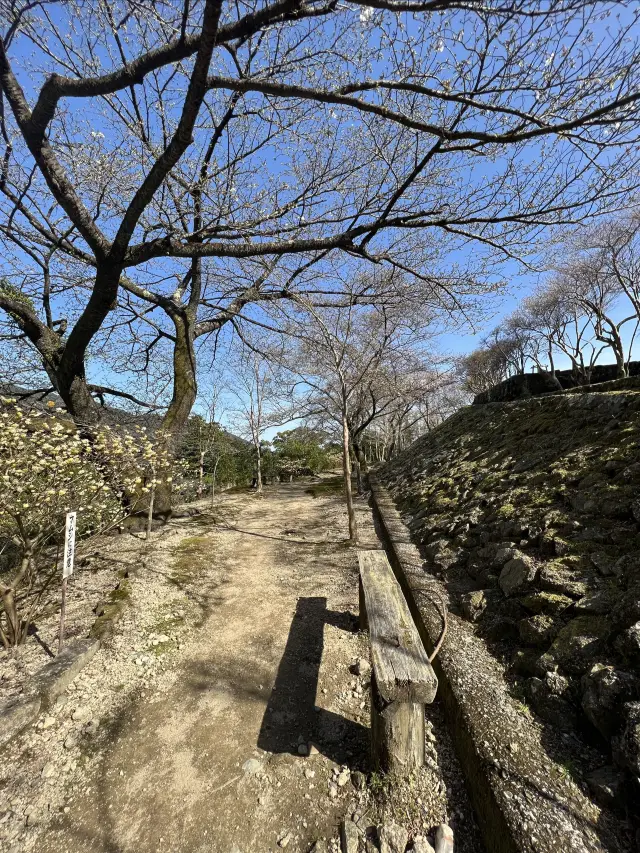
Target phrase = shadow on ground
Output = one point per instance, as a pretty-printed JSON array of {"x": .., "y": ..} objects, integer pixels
[{"x": 292, "y": 716}]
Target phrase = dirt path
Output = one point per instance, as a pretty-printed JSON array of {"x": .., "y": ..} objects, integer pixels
[{"x": 214, "y": 763}]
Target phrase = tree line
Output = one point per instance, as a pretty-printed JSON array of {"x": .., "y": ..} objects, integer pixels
[{"x": 587, "y": 311}]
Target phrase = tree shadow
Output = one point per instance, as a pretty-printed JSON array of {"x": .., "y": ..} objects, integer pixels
[{"x": 292, "y": 716}]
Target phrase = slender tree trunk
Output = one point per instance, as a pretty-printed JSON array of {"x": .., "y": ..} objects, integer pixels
[
  {"x": 259, "y": 471},
  {"x": 201, "y": 474},
  {"x": 213, "y": 480},
  {"x": 346, "y": 469},
  {"x": 152, "y": 495}
]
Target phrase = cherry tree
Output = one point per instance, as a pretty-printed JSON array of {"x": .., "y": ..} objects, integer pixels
[{"x": 149, "y": 147}]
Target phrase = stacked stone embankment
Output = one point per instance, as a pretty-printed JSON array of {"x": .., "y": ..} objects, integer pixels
[{"x": 529, "y": 513}]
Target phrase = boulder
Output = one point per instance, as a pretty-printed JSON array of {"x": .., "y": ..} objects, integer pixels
[
  {"x": 504, "y": 553},
  {"x": 604, "y": 690},
  {"x": 626, "y": 746},
  {"x": 628, "y": 643},
  {"x": 538, "y": 630},
  {"x": 599, "y": 602},
  {"x": 393, "y": 838},
  {"x": 473, "y": 604},
  {"x": 579, "y": 643},
  {"x": 517, "y": 574},
  {"x": 549, "y": 703},
  {"x": 546, "y": 602},
  {"x": 421, "y": 845},
  {"x": 570, "y": 580},
  {"x": 607, "y": 785}
]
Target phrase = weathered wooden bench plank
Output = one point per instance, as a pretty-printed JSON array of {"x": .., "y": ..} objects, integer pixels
[
  {"x": 401, "y": 665},
  {"x": 402, "y": 681}
]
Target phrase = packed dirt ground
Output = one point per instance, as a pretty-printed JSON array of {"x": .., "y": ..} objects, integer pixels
[{"x": 229, "y": 712}]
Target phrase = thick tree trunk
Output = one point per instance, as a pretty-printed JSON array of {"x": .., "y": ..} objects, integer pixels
[
  {"x": 346, "y": 469},
  {"x": 185, "y": 390}
]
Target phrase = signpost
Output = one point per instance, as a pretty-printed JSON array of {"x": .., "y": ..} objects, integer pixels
[{"x": 67, "y": 568}]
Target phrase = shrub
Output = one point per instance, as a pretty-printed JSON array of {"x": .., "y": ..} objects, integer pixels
[{"x": 48, "y": 469}]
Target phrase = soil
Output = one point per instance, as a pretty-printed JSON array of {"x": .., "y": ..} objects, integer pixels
[{"x": 225, "y": 714}]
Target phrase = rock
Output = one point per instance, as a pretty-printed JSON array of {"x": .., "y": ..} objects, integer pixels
[
  {"x": 393, "y": 838},
  {"x": 333, "y": 791},
  {"x": 599, "y": 602},
  {"x": 573, "y": 581},
  {"x": 252, "y": 766},
  {"x": 303, "y": 749},
  {"x": 285, "y": 840},
  {"x": 525, "y": 662},
  {"x": 538, "y": 630},
  {"x": 517, "y": 574},
  {"x": 358, "y": 780},
  {"x": 502, "y": 629},
  {"x": 362, "y": 667},
  {"x": 320, "y": 846},
  {"x": 309, "y": 774},
  {"x": 603, "y": 563},
  {"x": 444, "y": 839},
  {"x": 504, "y": 554},
  {"x": 343, "y": 777},
  {"x": 473, "y": 604},
  {"x": 90, "y": 728},
  {"x": 579, "y": 643},
  {"x": 349, "y": 837},
  {"x": 437, "y": 547},
  {"x": 48, "y": 722},
  {"x": 605, "y": 689},
  {"x": 48, "y": 770},
  {"x": 608, "y": 785},
  {"x": 421, "y": 845},
  {"x": 71, "y": 741},
  {"x": 81, "y": 714},
  {"x": 546, "y": 602},
  {"x": 550, "y": 706},
  {"x": 626, "y": 747},
  {"x": 628, "y": 643}
]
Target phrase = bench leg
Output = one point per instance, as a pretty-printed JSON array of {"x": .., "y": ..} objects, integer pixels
[
  {"x": 397, "y": 735},
  {"x": 362, "y": 609}
]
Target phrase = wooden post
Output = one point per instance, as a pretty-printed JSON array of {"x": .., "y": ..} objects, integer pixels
[
  {"x": 397, "y": 734},
  {"x": 63, "y": 607}
]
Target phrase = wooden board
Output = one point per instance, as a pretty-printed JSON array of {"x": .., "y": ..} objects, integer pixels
[{"x": 402, "y": 668}]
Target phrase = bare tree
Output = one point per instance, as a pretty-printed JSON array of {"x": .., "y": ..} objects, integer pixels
[
  {"x": 258, "y": 392},
  {"x": 301, "y": 129}
]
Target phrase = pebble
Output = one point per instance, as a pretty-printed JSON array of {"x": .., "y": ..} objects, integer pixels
[
  {"x": 284, "y": 840},
  {"x": 48, "y": 770},
  {"x": 81, "y": 714},
  {"x": 71, "y": 741},
  {"x": 48, "y": 722},
  {"x": 252, "y": 766},
  {"x": 343, "y": 777}
]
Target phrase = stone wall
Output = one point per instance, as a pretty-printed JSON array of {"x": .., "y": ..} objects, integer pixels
[
  {"x": 529, "y": 513},
  {"x": 534, "y": 384}
]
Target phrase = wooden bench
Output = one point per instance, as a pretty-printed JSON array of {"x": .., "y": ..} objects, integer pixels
[{"x": 403, "y": 680}]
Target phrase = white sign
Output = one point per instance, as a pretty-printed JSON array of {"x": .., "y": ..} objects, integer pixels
[{"x": 69, "y": 545}]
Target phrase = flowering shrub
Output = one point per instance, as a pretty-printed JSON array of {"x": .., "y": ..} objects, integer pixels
[{"x": 49, "y": 469}]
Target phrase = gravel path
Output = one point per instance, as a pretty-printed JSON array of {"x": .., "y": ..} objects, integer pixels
[{"x": 225, "y": 715}]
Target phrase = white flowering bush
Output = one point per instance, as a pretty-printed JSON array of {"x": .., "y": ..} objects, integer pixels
[{"x": 48, "y": 469}]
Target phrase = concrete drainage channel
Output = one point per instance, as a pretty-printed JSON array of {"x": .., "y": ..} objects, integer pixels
[{"x": 523, "y": 804}]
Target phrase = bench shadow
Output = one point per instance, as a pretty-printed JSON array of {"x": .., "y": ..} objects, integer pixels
[{"x": 292, "y": 716}]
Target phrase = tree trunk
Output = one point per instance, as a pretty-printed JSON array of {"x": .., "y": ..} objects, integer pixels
[
  {"x": 259, "y": 471},
  {"x": 346, "y": 469},
  {"x": 201, "y": 474},
  {"x": 152, "y": 495},
  {"x": 213, "y": 480},
  {"x": 185, "y": 389}
]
